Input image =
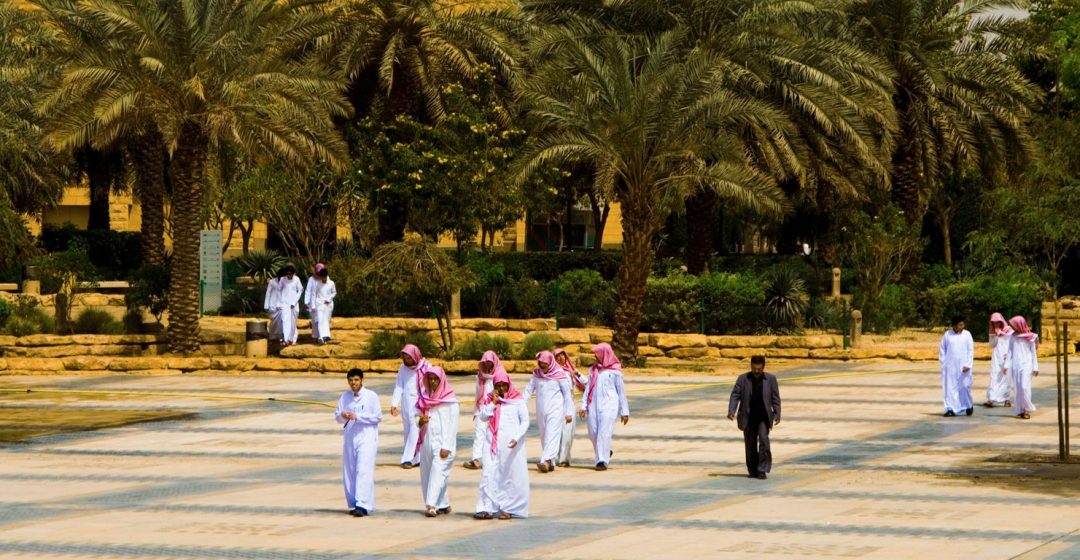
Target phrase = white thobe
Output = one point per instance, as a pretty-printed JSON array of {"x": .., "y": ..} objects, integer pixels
[
  {"x": 504, "y": 481},
  {"x": 307, "y": 301},
  {"x": 404, "y": 399},
  {"x": 567, "y": 440},
  {"x": 480, "y": 428},
  {"x": 361, "y": 446},
  {"x": 957, "y": 351},
  {"x": 441, "y": 433},
  {"x": 1025, "y": 360},
  {"x": 1000, "y": 387},
  {"x": 554, "y": 402},
  {"x": 270, "y": 305},
  {"x": 320, "y": 302},
  {"x": 288, "y": 303},
  {"x": 609, "y": 403}
]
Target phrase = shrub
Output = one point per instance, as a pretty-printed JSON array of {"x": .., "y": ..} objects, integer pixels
[
  {"x": 1007, "y": 292},
  {"x": 531, "y": 299},
  {"x": 895, "y": 309},
  {"x": 5, "y": 311},
  {"x": 672, "y": 304},
  {"x": 149, "y": 290},
  {"x": 534, "y": 343},
  {"x": 385, "y": 345},
  {"x": 584, "y": 293},
  {"x": 785, "y": 299},
  {"x": 546, "y": 266},
  {"x": 21, "y": 326},
  {"x": 28, "y": 318},
  {"x": 827, "y": 315},
  {"x": 241, "y": 301},
  {"x": 487, "y": 297},
  {"x": 96, "y": 321},
  {"x": 133, "y": 321},
  {"x": 262, "y": 265},
  {"x": 473, "y": 348},
  {"x": 733, "y": 302},
  {"x": 112, "y": 253}
]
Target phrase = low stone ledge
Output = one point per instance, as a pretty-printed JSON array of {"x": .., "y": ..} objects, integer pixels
[
  {"x": 788, "y": 353},
  {"x": 669, "y": 341},
  {"x": 808, "y": 342},
  {"x": 39, "y": 364},
  {"x": 731, "y": 341},
  {"x": 482, "y": 324},
  {"x": 43, "y": 340},
  {"x": 688, "y": 353}
]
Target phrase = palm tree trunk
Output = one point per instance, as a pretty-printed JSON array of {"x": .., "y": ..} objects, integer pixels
[
  {"x": 99, "y": 176},
  {"x": 148, "y": 151},
  {"x": 639, "y": 223},
  {"x": 188, "y": 165},
  {"x": 947, "y": 240},
  {"x": 906, "y": 180},
  {"x": 700, "y": 224},
  {"x": 599, "y": 216}
]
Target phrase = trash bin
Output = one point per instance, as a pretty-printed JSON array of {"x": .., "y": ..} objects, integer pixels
[{"x": 256, "y": 337}]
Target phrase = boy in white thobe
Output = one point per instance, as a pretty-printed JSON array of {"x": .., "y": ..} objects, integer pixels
[
  {"x": 359, "y": 411},
  {"x": 270, "y": 305},
  {"x": 554, "y": 406},
  {"x": 406, "y": 391},
  {"x": 487, "y": 368},
  {"x": 999, "y": 390},
  {"x": 504, "y": 481},
  {"x": 576, "y": 381},
  {"x": 604, "y": 402},
  {"x": 957, "y": 356},
  {"x": 438, "y": 422},
  {"x": 290, "y": 290},
  {"x": 320, "y": 302},
  {"x": 1025, "y": 363}
]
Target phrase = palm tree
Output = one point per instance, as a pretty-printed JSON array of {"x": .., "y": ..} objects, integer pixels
[
  {"x": 200, "y": 72},
  {"x": 957, "y": 94},
  {"x": 656, "y": 124}
]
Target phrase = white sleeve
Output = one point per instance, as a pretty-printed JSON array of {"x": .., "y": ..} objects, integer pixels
[
  {"x": 568, "y": 397},
  {"x": 624, "y": 406},
  {"x": 530, "y": 389},
  {"x": 1034, "y": 356},
  {"x": 522, "y": 412},
  {"x": 395, "y": 399},
  {"x": 943, "y": 348},
  {"x": 371, "y": 411},
  {"x": 486, "y": 411},
  {"x": 331, "y": 291},
  {"x": 969, "y": 351},
  {"x": 308, "y": 293},
  {"x": 340, "y": 409}
]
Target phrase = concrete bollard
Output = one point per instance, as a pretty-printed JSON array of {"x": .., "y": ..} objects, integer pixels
[
  {"x": 836, "y": 282},
  {"x": 255, "y": 340},
  {"x": 455, "y": 305},
  {"x": 856, "y": 327}
]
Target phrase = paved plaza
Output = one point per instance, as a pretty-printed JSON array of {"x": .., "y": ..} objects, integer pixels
[{"x": 865, "y": 467}]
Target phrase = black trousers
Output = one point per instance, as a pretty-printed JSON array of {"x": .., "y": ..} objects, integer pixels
[{"x": 758, "y": 452}]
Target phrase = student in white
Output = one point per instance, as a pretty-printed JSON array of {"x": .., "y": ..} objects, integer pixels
[
  {"x": 957, "y": 355},
  {"x": 270, "y": 305},
  {"x": 1025, "y": 363},
  {"x": 554, "y": 406},
  {"x": 576, "y": 381},
  {"x": 438, "y": 410},
  {"x": 320, "y": 303},
  {"x": 999, "y": 390},
  {"x": 359, "y": 411},
  {"x": 487, "y": 368},
  {"x": 504, "y": 481},
  {"x": 406, "y": 391},
  {"x": 290, "y": 290},
  {"x": 604, "y": 402}
]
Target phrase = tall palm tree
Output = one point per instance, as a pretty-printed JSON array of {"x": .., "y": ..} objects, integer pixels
[
  {"x": 200, "y": 72},
  {"x": 957, "y": 94},
  {"x": 656, "y": 124}
]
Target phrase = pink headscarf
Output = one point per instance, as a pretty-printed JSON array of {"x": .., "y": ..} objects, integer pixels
[
  {"x": 318, "y": 267},
  {"x": 1020, "y": 326},
  {"x": 420, "y": 364},
  {"x": 511, "y": 396},
  {"x": 569, "y": 367},
  {"x": 1005, "y": 328},
  {"x": 482, "y": 378},
  {"x": 605, "y": 360},
  {"x": 553, "y": 371},
  {"x": 443, "y": 395}
]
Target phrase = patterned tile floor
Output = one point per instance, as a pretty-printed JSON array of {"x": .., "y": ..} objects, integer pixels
[{"x": 865, "y": 467}]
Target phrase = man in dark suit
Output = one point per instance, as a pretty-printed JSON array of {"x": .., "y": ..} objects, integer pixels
[{"x": 756, "y": 397}]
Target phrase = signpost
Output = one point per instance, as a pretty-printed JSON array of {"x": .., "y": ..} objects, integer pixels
[{"x": 210, "y": 266}]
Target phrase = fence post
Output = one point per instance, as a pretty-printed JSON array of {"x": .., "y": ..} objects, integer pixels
[
  {"x": 558, "y": 305},
  {"x": 1065, "y": 388},
  {"x": 202, "y": 288},
  {"x": 1060, "y": 395},
  {"x": 701, "y": 313},
  {"x": 847, "y": 324}
]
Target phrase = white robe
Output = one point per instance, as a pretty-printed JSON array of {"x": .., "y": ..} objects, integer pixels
[
  {"x": 554, "y": 402},
  {"x": 288, "y": 304},
  {"x": 361, "y": 446},
  {"x": 1000, "y": 387},
  {"x": 442, "y": 429},
  {"x": 480, "y": 428},
  {"x": 270, "y": 305},
  {"x": 320, "y": 303},
  {"x": 504, "y": 481},
  {"x": 404, "y": 399},
  {"x": 567, "y": 440},
  {"x": 956, "y": 352},
  {"x": 1025, "y": 360},
  {"x": 609, "y": 403}
]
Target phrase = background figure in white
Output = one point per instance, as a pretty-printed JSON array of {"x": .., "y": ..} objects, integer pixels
[
  {"x": 406, "y": 391},
  {"x": 486, "y": 370},
  {"x": 321, "y": 292},
  {"x": 270, "y": 305},
  {"x": 1025, "y": 363},
  {"x": 290, "y": 290},
  {"x": 577, "y": 381},
  {"x": 1000, "y": 388},
  {"x": 308, "y": 289},
  {"x": 554, "y": 406},
  {"x": 359, "y": 411},
  {"x": 439, "y": 410},
  {"x": 504, "y": 481},
  {"x": 604, "y": 402},
  {"x": 957, "y": 356}
]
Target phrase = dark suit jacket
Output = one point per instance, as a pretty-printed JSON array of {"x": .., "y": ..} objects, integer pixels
[{"x": 742, "y": 392}]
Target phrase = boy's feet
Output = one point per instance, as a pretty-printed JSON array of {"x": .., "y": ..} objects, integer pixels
[
  {"x": 359, "y": 512},
  {"x": 472, "y": 465},
  {"x": 431, "y": 512},
  {"x": 444, "y": 511},
  {"x": 601, "y": 467},
  {"x": 970, "y": 411},
  {"x": 949, "y": 414},
  {"x": 482, "y": 515},
  {"x": 407, "y": 466},
  {"x": 762, "y": 476}
]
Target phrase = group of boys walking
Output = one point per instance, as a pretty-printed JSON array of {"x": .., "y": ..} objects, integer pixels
[
  {"x": 1013, "y": 362},
  {"x": 282, "y": 303}
]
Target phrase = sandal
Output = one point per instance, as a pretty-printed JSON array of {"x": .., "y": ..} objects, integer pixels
[
  {"x": 1007, "y": 404},
  {"x": 542, "y": 467},
  {"x": 989, "y": 404},
  {"x": 444, "y": 511},
  {"x": 472, "y": 465},
  {"x": 431, "y": 512},
  {"x": 482, "y": 515},
  {"x": 505, "y": 515},
  {"x": 1025, "y": 416}
]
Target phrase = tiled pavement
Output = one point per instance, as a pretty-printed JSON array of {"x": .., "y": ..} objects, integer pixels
[{"x": 865, "y": 467}]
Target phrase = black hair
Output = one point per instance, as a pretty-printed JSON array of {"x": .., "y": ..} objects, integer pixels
[
  {"x": 323, "y": 273},
  {"x": 281, "y": 272},
  {"x": 757, "y": 359},
  {"x": 957, "y": 319},
  {"x": 289, "y": 268},
  {"x": 355, "y": 372}
]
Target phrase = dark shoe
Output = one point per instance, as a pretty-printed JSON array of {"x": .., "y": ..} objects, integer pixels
[
  {"x": 1007, "y": 404},
  {"x": 431, "y": 512},
  {"x": 326, "y": 339},
  {"x": 762, "y": 476},
  {"x": 601, "y": 467},
  {"x": 319, "y": 342},
  {"x": 551, "y": 466},
  {"x": 482, "y": 515},
  {"x": 407, "y": 465},
  {"x": 444, "y": 511},
  {"x": 970, "y": 411},
  {"x": 542, "y": 467},
  {"x": 359, "y": 512},
  {"x": 989, "y": 404},
  {"x": 950, "y": 414},
  {"x": 472, "y": 465},
  {"x": 565, "y": 464}
]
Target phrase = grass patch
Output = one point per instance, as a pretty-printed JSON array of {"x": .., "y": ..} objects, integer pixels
[{"x": 25, "y": 416}]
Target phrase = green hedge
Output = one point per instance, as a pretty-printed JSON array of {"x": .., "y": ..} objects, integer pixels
[{"x": 1009, "y": 293}]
